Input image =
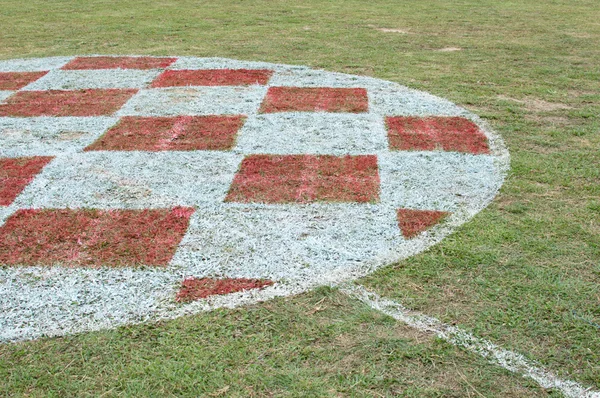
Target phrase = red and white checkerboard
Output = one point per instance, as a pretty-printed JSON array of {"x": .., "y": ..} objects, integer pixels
[{"x": 137, "y": 188}]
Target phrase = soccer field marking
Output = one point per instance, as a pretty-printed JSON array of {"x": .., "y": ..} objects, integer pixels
[
  {"x": 297, "y": 176},
  {"x": 509, "y": 360}
]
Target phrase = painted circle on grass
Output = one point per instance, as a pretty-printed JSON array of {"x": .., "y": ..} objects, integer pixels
[{"x": 143, "y": 188}]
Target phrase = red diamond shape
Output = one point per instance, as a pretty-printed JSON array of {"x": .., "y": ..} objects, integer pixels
[
  {"x": 18, "y": 80},
  {"x": 213, "y": 77},
  {"x": 92, "y": 238},
  {"x": 194, "y": 289},
  {"x": 16, "y": 173},
  {"x": 119, "y": 63},
  {"x": 306, "y": 178},
  {"x": 310, "y": 99},
  {"x": 182, "y": 133},
  {"x": 413, "y": 222},
  {"x": 98, "y": 102},
  {"x": 431, "y": 133}
]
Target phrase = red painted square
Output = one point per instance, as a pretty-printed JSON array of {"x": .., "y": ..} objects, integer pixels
[
  {"x": 195, "y": 289},
  {"x": 18, "y": 80},
  {"x": 98, "y": 102},
  {"x": 433, "y": 133},
  {"x": 92, "y": 238},
  {"x": 16, "y": 173},
  {"x": 182, "y": 133},
  {"x": 118, "y": 63},
  {"x": 305, "y": 179},
  {"x": 213, "y": 77},
  {"x": 320, "y": 99}
]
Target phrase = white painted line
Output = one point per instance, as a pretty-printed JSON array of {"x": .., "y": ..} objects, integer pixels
[{"x": 509, "y": 360}]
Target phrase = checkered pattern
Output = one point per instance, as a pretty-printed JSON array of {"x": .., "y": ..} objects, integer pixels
[
  {"x": 165, "y": 104},
  {"x": 289, "y": 175}
]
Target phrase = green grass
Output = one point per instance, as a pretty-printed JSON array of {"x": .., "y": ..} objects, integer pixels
[
  {"x": 322, "y": 344},
  {"x": 524, "y": 273}
]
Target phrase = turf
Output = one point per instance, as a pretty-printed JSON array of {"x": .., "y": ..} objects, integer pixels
[
  {"x": 339, "y": 348},
  {"x": 524, "y": 273}
]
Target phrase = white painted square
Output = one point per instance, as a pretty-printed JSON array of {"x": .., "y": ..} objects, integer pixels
[
  {"x": 4, "y": 94},
  {"x": 50, "y": 136},
  {"x": 5, "y": 212},
  {"x": 33, "y": 65},
  {"x": 281, "y": 242},
  {"x": 304, "y": 77},
  {"x": 436, "y": 180},
  {"x": 223, "y": 63},
  {"x": 62, "y": 299},
  {"x": 314, "y": 133},
  {"x": 401, "y": 101},
  {"x": 231, "y": 100},
  {"x": 94, "y": 79},
  {"x": 132, "y": 180}
]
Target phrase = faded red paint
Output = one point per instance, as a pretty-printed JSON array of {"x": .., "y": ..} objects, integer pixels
[
  {"x": 18, "y": 80},
  {"x": 118, "y": 63},
  {"x": 413, "y": 222},
  {"x": 92, "y": 238},
  {"x": 195, "y": 289},
  {"x": 434, "y": 133},
  {"x": 181, "y": 133},
  {"x": 16, "y": 174},
  {"x": 98, "y": 102},
  {"x": 305, "y": 179},
  {"x": 320, "y": 99},
  {"x": 213, "y": 77}
]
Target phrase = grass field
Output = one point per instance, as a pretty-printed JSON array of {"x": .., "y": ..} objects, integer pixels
[{"x": 525, "y": 273}]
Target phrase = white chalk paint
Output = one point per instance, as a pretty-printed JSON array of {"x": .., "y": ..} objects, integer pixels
[
  {"x": 298, "y": 246},
  {"x": 50, "y": 136},
  {"x": 33, "y": 64},
  {"x": 313, "y": 133},
  {"x": 94, "y": 79},
  {"x": 195, "y": 101},
  {"x": 507, "y": 359},
  {"x": 4, "y": 94}
]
